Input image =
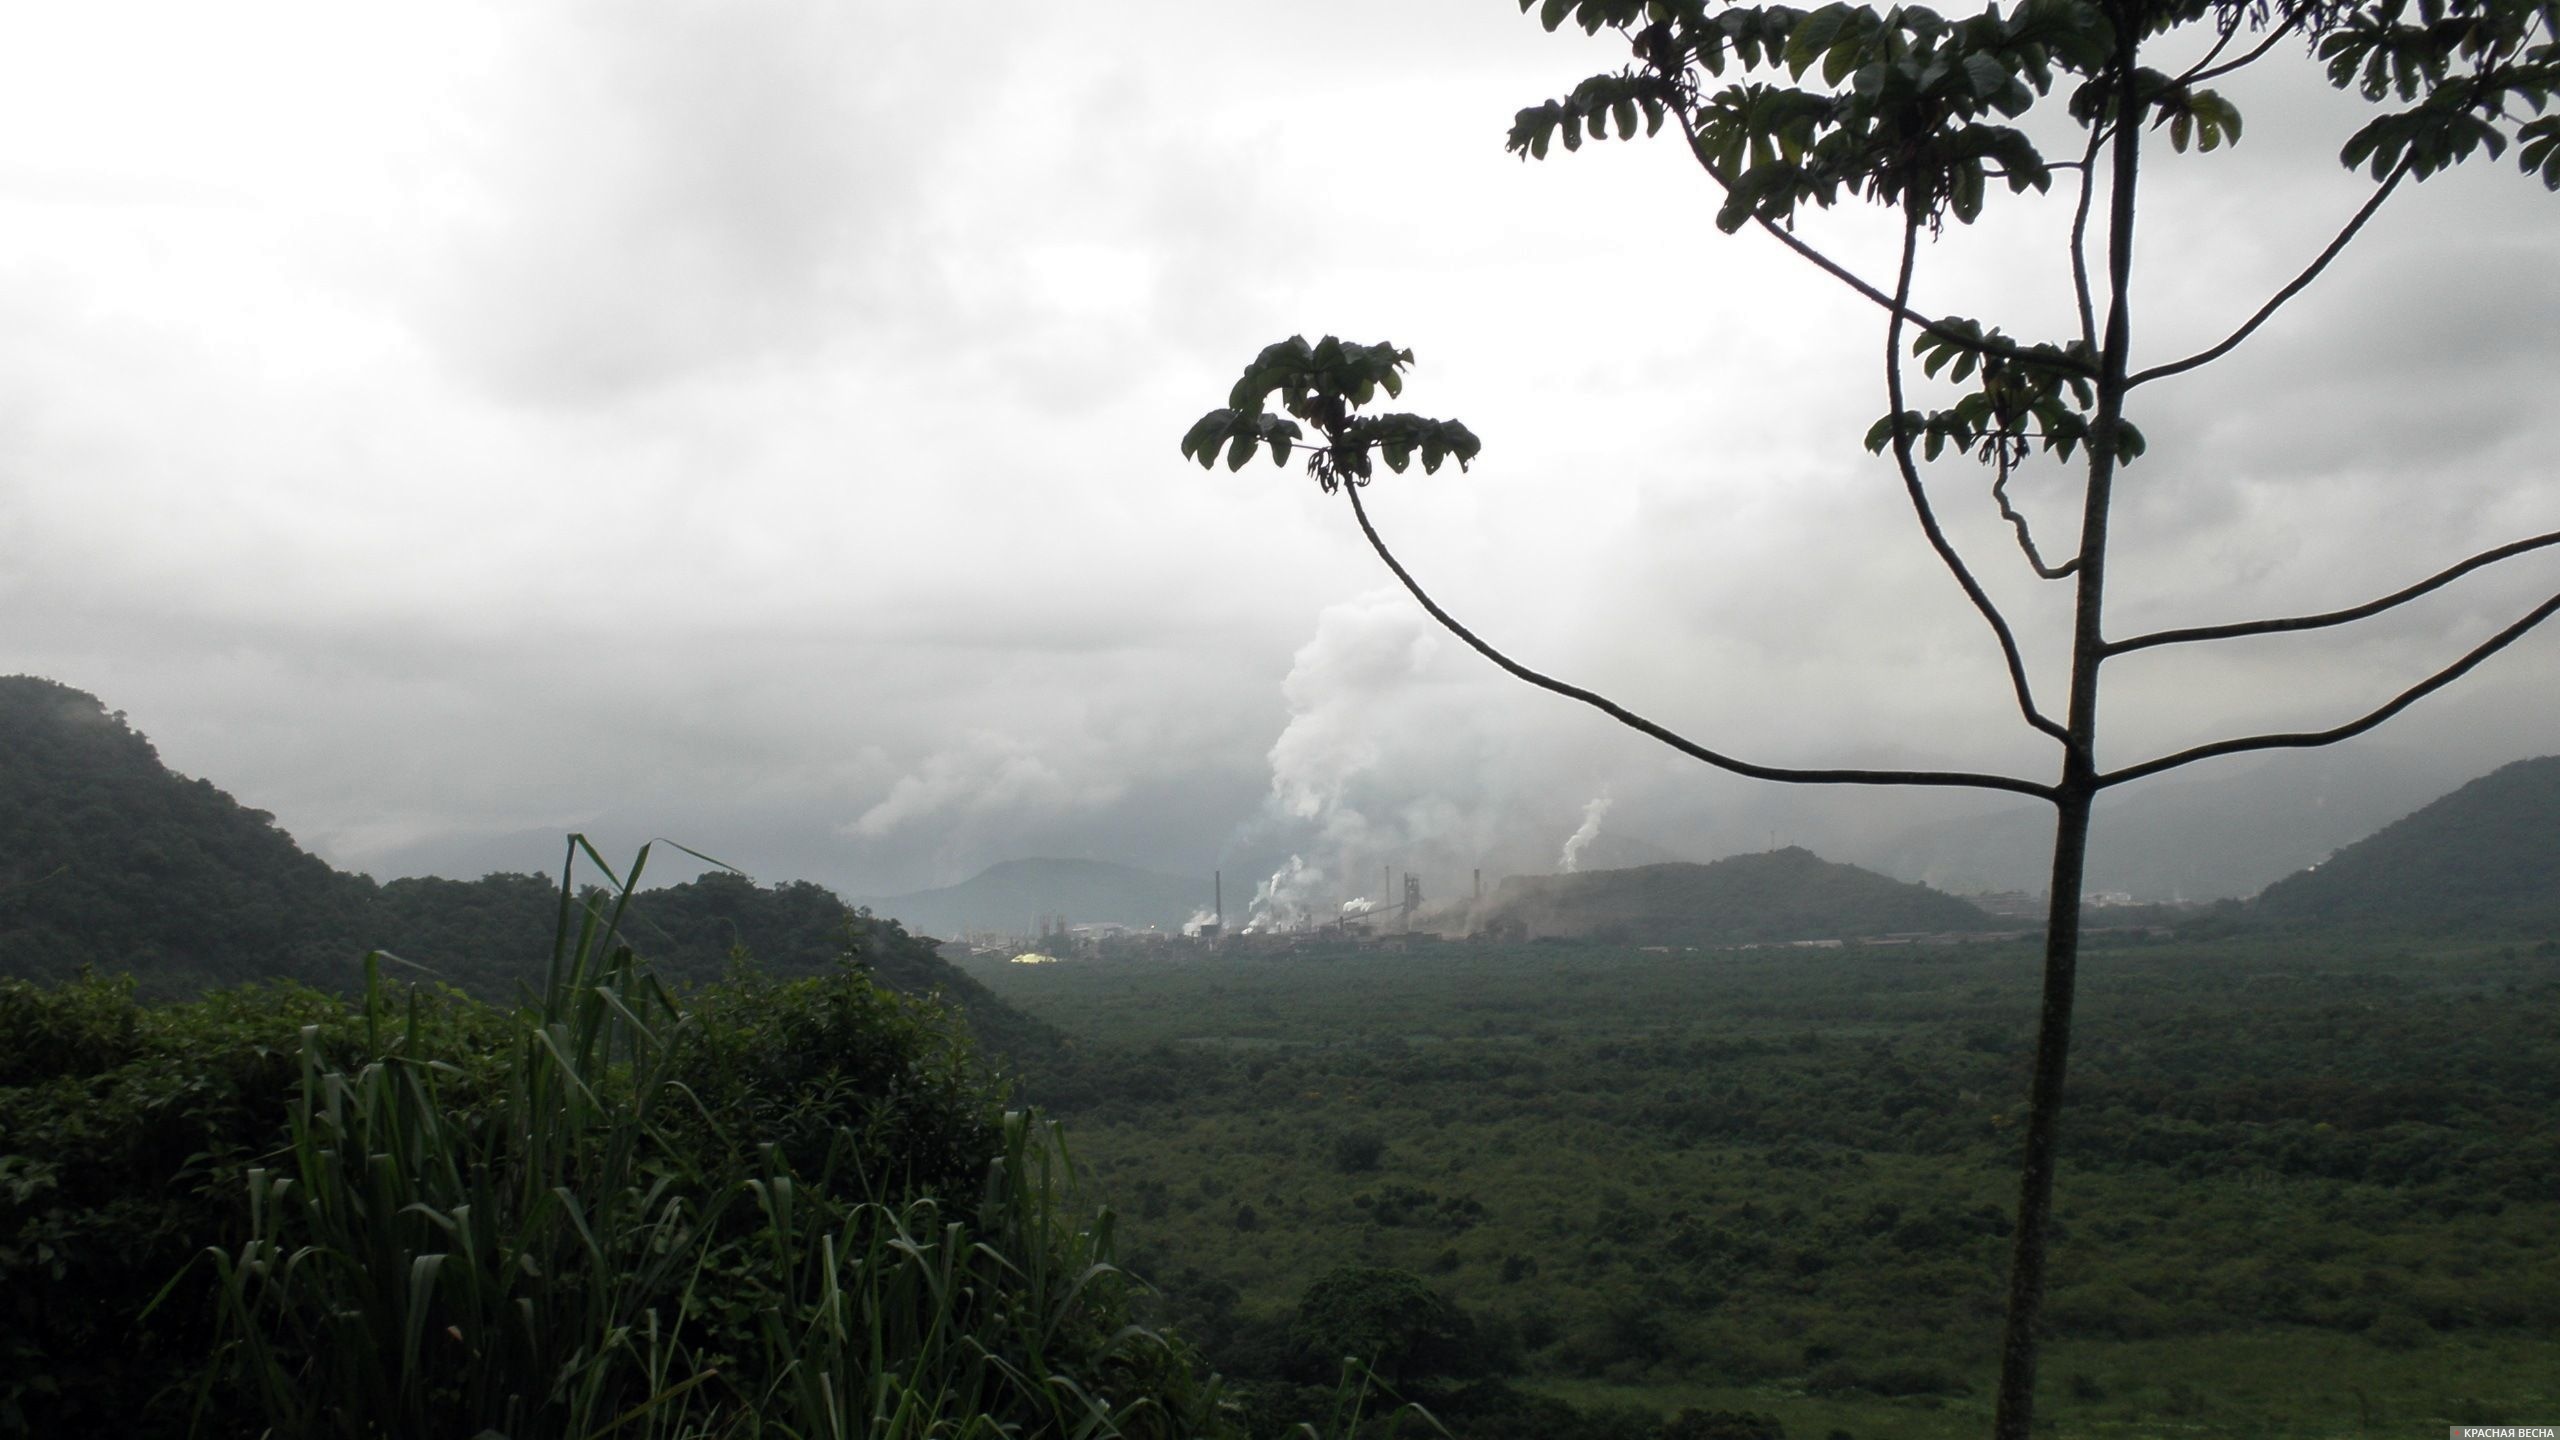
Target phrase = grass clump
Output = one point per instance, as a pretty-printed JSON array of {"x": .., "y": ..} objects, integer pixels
[{"x": 761, "y": 1208}]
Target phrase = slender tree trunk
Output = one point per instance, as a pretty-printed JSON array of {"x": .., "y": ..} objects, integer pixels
[
  {"x": 2078, "y": 790},
  {"x": 2018, "y": 1342}
]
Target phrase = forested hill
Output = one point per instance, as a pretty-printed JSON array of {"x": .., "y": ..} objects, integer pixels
[
  {"x": 107, "y": 859},
  {"x": 2485, "y": 858},
  {"x": 1790, "y": 894}
]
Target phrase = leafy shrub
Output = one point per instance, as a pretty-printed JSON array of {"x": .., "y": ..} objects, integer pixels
[
  {"x": 84, "y": 1027},
  {"x": 2397, "y": 1329},
  {"x": 1387, "y": 1320},
  {"x": 126, "y": 1133},
  {"x": 841, "y": 1078},
  {"x": 1902, "y": 1378},
  {"x": 1357, "y": 1152},
  {"x": 1694, "y": 1424},
  {"x": 788, "y": 1207},
  {"x": 2109, "y": 1310},
  {"x": 1493, "y": 1410},
  {"x": 1396, "y": 1205}
]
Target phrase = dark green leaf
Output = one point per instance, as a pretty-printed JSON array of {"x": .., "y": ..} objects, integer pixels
[{"x": 1201, "y": 441}]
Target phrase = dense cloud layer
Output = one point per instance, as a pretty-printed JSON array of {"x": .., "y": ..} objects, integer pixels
[{"x": 754, "y": 423}]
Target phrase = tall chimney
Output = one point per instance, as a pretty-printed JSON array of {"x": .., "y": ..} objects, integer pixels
[{"x": 1218, "y": 897}]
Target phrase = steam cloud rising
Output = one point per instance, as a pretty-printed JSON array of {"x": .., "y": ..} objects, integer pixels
[{"x": 1571, "y": 860}]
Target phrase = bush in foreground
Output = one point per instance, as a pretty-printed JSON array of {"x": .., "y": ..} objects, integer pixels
[{"x": 760, "y": 1208}]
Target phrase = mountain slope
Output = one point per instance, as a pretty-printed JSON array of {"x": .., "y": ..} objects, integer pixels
[
  {"x": 1011, "y": 896},
  {"x": 1789, "y": 894},
  {"x": 2485, "y": 858},
  {"x": 2227, "y": 833},
  {"x": 108, "y": 859}
]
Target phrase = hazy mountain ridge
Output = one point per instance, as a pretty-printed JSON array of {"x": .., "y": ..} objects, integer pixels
[
  {"x": 2225, "y": 835},
  {"x": 2483, "y": 858},
  {"x": 1788, "y": 894},
  {"x": 109, "y": 859},
  {"x": 1011, "y": 896}
]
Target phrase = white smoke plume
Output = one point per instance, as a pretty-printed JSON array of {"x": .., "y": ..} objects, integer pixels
[
  {"x": 1391, "y": 755},
  {"x": 1200, "y": 920},
  {"x": 1361, "y": 905},
  {"x": 1403, "y": 751},
  {"x": 1571, "y": 860},
  {"x": 1286, "y": 901}
]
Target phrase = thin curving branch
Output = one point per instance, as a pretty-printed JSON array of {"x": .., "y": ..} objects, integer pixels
[
  {"x": 2241, "y": 629},
  {"x": 1944, "y": 779},
  {"x": 2310, "y": 273},
  {"x": 1833, "y": 268},
  {"x": 2226, "y": 31},
  {"x": 2205, "y": 69},
  {"x": 1919, "y": 494},
  {"x": 2026, "y": 537},
  {"x": 2313, "y": 739},
  {"x": 2080, "y": 241}
]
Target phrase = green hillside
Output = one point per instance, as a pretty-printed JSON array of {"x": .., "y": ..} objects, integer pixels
[
  {"x": 2484, "y": 859},
  {"x": 1010, "y": 897},
  {"x": 109, "y": 860},
  {"x": 1790, "y": 894}
]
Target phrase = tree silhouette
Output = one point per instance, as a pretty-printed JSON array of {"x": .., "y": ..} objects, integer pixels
[{"x": 1786, "y": 109}]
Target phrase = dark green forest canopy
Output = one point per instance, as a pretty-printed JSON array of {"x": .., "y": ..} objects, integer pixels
[
  {"x": 109, "y": 860},
  {"x": 1774, "y": 1180}
]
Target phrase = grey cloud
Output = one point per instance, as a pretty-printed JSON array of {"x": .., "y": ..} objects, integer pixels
[
  {"x": 764, "y": 437},
  {"x": 672, "y": 189}
]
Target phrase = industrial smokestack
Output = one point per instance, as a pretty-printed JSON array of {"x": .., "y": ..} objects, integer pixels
[{"x": 1218, "y": 897}]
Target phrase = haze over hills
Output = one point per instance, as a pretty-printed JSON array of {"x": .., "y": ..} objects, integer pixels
[
  {"x": 1010, "y": 897},
  {"x": 2484, "y": 858},
  {"x": 1789, "y": 894},
  {"x": 108, "y": 859},
  {"x": 2226, "y": 834},
  {"x": 2228, "y": 829}
]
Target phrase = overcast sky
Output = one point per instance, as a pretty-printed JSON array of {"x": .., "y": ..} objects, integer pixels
[{"x": 756, "y": 423}]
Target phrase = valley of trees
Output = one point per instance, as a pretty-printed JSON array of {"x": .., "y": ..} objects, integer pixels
[
  {"x": 1554, "y": 1189},
  {"x": 2306, "y": 1187},
  {"x": 1786, "y": 113},
  {"x": 287, "y": 1152}
]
